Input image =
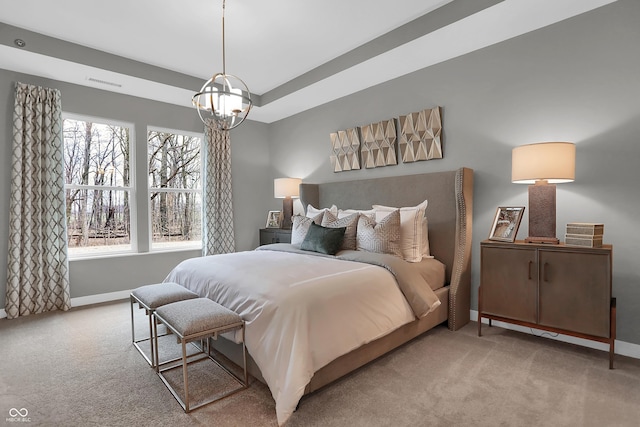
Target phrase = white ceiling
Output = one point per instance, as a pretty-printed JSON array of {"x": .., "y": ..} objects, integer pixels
[{"x": 268, "y": 43}]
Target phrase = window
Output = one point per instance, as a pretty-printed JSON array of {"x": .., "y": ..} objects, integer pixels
[
  {"x": 98, "y": 185},
  {"x": 175, "y": 189}
]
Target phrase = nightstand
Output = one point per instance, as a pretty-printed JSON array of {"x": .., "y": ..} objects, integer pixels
[
  {"x": 274, "y": 235},
  {"x": 555, "y": 288}
]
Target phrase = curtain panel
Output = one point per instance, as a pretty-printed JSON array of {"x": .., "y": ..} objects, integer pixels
[
  {"x": 38, "y": 268},
  {"x": 219, "y": 234}
]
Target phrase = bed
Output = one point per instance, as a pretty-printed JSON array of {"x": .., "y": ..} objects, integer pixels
[{"x": 302, "y": 334}]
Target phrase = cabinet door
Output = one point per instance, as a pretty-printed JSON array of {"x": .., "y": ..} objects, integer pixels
[
  {"x": 283, "y": 237},
  {"x": 575, "y": 291},
  {"x": 509, "y": 283},
  {"x": 267, "y": 237}
]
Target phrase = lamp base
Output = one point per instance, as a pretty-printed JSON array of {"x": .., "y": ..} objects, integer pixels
[
  {"x": 542, "y": 213},
  {"x": 548, "y": 240},
  {"x": 287, "y": 211}
]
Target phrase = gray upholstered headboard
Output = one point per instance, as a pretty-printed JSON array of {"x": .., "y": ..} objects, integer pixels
[{"x": 449, "y": 212}]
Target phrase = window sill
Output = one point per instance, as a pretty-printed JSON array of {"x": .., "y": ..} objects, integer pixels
[{"x": 89, "y": 257}]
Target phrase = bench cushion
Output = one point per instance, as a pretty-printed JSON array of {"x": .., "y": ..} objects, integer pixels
[
  {"x": 154, "y": 296},
  {"x": 197, "y": 315}
]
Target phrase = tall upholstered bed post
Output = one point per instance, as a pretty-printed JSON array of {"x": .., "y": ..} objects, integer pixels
[{"x": 449, "y": 212}]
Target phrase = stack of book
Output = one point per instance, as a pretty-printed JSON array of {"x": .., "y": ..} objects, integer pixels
[{"x": 584, "y": 234}]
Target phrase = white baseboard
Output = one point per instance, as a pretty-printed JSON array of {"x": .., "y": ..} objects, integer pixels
[
  {"x": 100, "y": 298},
  {"x": 91, "y": 299},
  {"x": 621, "y": 347}
]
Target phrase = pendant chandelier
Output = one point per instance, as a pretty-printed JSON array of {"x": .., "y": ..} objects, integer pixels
[{"x": 224, "y": 98}]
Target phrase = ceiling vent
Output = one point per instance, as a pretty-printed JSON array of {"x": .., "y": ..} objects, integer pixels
[{"x": 104, "y": 82}]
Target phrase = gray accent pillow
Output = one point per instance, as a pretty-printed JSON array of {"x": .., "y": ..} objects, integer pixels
[
  {"x": 382, "y": 237},
  {"x": 351, "y": 224},
  {"x": 323, "y": 239},
  {"x": 300, "y": 227}
]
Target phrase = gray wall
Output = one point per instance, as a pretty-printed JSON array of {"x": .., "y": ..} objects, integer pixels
[
  {"x": 578, "y": 81},
  {"x": 250, "y": 163}
]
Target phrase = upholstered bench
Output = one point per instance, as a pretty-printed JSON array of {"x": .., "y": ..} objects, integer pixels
[
  {"x": 150, "y": 297},
  {"x": 198, "y": 319}
]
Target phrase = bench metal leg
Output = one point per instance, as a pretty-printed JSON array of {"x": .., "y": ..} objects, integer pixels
[
  {"x": 185, "y": 362},
  {"x": 136, "y": 342}
]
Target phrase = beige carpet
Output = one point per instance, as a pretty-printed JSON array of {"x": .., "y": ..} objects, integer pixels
[{"x": 79, "y": 368}]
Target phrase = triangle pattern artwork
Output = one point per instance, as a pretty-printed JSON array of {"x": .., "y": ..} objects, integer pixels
[
  {"x": 379, "y": 144},
  {"x": 420, "y": 136},
  {"x": 345, "y": 150}
]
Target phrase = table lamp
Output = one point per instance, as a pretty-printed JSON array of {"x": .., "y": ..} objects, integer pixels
[
  {"x": 287, "y": 189},
  {"x": 543, "y": 164}
]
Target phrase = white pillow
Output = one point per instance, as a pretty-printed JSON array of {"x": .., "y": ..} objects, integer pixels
[
  {"x": 426, "y": 252},
  {"x": 313, "y": 212},
  {"x": 346, "y": 212},
  {"x": 414, "y": 235}
]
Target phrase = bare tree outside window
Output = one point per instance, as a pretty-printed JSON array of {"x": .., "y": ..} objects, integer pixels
[
  {"x": 97, "y": 186},
  {"x": 175, "y": 189}
]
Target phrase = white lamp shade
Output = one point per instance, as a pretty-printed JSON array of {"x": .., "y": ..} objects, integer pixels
[
  {"x": 286, "y": 187},
  {"x": 554, "y": 162},
  {"x": 211, "y": 94}
]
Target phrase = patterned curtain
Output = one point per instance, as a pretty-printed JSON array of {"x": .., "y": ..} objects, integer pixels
[
  {"x": 219, "y": 236},
  {"x": 38, "y": 270}
]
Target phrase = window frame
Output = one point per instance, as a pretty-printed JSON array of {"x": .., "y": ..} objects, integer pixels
[
  {"x": 186, "y": 247},
  {"x": 133, "y": 208}
]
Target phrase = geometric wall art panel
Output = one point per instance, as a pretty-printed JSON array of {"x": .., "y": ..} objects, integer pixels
[
  {"x": 420, "y": 136},
  {"x": 345, "y": 150},
  {"x": 379, "y": 144}
]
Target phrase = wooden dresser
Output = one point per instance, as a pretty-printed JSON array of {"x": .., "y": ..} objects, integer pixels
[{"x": 556, "y": 288}]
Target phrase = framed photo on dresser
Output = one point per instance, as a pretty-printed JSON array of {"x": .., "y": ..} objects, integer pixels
[
  {"x": 274, "y": 219},
  {"x": 506, "y": 223}
]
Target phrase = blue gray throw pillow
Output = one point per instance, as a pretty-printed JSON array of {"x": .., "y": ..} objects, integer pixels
[{"x": 323, "y": 239}]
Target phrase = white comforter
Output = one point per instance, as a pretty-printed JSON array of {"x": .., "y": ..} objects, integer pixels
[{"x": 301, "y": 311}]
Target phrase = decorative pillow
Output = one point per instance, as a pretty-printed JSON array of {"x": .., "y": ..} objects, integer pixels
[
  {"x": 381, "y": 237},
  {"x": 313, "y": 212},
  {"x": 414, "y": 237},
  {"x": 351, "y": 224},
  {"x": 300, "y": 227},
  {"x": 323, "y": 239},
  {"x": 426, "y": 252},
  {"x": 370, "y": 213}
]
